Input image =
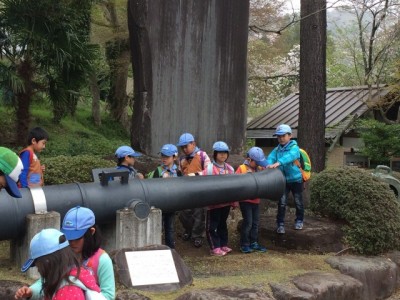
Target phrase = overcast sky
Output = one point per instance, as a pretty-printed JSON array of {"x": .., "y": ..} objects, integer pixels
[{"x": 296, "y": 4}]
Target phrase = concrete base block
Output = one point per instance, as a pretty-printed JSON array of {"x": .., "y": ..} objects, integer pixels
[
  {"x": 132, "y": 232},
  {"x": 34, "y": 224}
]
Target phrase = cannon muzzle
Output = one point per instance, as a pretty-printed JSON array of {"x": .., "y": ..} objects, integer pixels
[{"x": 171, "y": 194}]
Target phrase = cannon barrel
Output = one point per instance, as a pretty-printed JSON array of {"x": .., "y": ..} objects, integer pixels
[{"x": 170, "y": 194}]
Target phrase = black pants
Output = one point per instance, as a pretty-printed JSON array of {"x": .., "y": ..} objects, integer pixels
[
  {"x": 216, "y": 228},
  {"x": 193, "y": 221},
  {"x": 169, "y": 229}
]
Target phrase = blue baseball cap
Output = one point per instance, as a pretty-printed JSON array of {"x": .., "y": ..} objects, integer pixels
[
  {"x": 185, "y": 139},
  {"x": 220, "y": 146},
  {"x": 169, "y": 150},
  {"x": 43, "y": 243},
  {"x": 256, "y": 154},
  {"x": 282, "y": 129},
  {"x": 126, "y": 151},
  {"x": 77, "y": 221}
]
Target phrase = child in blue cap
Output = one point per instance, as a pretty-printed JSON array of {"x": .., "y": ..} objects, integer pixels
[
  {"x": 126, "y": 158},
  {"x": 58, "y": 267},
  {"x": 254, "y": 162},
  {"x": 79, "y": 226},
  {"x": 167, "y": 169},
  {"x": 84, "y": 237},
  {"x": 283, "y": 157},
  {"x": 193, "y": 161},
  {"x": 216, "y": 227}
]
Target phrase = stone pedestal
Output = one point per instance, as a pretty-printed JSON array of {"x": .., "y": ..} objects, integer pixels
[
  {"x": 34, "y": 224},
  {"x": 132, "y": 232}
]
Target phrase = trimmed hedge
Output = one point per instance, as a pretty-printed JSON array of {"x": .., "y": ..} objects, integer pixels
[
  {"x": 68, "y": 169},
  {"x": 367, "y": 206}
]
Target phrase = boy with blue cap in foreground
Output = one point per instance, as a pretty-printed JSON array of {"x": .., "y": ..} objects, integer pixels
[
  {"x": 283, "y": 157},
  {"x": 10, "y": 168}
]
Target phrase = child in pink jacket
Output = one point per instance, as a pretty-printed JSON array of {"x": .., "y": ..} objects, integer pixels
[{"x": 216, "y": 227}]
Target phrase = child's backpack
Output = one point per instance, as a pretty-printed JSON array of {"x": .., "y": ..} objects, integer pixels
[
  {"x": 151, "y": 174},
  {"x": 92, "y": 263},
  {"x": 304, "y": 164},
  {"x": 210, "y": 168},
  {"x": 89, "y": 294}
]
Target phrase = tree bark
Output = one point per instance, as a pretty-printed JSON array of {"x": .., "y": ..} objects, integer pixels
[
  {"x": 312, "y": 98},
  {"x": 24, "y": 99},
  {"x": 118, "y": 57},
  {"x": 95, "y": 90},
  {"x": 190, "y": 72}
]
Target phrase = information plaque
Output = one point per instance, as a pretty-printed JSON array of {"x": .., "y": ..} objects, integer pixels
[{"x": 151, "y": 267}]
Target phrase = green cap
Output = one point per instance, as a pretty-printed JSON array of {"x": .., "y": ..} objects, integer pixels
[{"x": 11, "y": 166}]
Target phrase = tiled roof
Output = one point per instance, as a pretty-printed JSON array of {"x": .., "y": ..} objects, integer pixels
[{"x": 343, "y": 106}]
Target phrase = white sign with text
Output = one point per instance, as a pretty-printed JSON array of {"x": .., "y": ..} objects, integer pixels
[{"x": 151, "y": 267}]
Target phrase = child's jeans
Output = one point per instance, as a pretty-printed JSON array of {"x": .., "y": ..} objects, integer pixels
[
  {"x": 297, "y": 190},
  {"x": 251, "y": 217}
]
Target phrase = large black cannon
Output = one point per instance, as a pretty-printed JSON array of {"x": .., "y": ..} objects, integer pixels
[{"x": 105, "y": 199}]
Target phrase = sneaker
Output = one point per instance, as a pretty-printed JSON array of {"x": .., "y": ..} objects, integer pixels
[
  {"x": 298, "y": 225},
  {"x": 198, "y": 242},
  {"x": 186, "y": 236},
  {"x": 246, "y": 249},
  {"x": 280, "y": 229},
  {"x": 217, "y": 252},
  {"x": 226, "y": 249},
  {"x": 257, "y": 247}
]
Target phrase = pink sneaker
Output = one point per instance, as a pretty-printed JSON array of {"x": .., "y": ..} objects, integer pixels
[
  {"x": 217, "y": 252},
  {"x": 226, "y": 249}
]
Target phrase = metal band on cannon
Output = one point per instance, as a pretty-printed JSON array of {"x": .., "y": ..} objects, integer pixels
[{"x": 39, "y": 200}]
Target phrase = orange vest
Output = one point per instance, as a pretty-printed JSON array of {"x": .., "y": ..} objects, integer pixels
[
  {"x": 192, "y": 166},
  {"x": 244, "y": 169},
  {"x": 35, "y": 168}
]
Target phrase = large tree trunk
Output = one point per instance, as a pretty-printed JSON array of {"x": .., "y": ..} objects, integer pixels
[
  {"x": 118, "y": 58},
  {"x": 95, "y": 90},
  {"x": 23, "y": 102},
  {"x": 190, "y": 72},
  {"x": 311, "y": 129}
]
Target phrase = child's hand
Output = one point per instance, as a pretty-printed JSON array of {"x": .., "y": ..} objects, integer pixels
[
  {"x": 24, "y": 292},
  {"x": 139, "y": 176},
  {"x": 43, "y": 167},
  {"x": 274, "y": 166}
]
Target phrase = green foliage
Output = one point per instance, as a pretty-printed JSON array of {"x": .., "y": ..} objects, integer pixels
[
  {"x": 367, "y": 206},
  {"x": 66, "y": 169},
  {"x": 52, "y": 37},
  {"x": 381, "y": 141},
  {"x": 73, "y": 136},
  {"x": 77, "y": 136}
]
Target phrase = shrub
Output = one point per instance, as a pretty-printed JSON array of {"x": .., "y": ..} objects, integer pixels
[
  {"x": 68, "y": 169},
  {"x": 367, "y": 206}
]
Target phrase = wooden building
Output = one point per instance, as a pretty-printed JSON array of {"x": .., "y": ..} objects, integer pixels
[{"x": 343, "y": 107}]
